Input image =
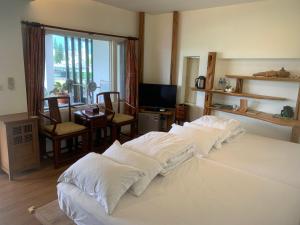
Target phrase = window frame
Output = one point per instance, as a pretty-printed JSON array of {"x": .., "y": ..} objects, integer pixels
[{"x": 113, "y": 62}]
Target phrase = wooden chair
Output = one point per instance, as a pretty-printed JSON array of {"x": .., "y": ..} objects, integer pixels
[
  {"x": 58, "y": 131},
  {"x": 117, "y": 120}
]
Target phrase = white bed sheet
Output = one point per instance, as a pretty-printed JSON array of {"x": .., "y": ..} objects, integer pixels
[
  {"x": 198, "y": 192},
  {"x": 262, "y": 156}
]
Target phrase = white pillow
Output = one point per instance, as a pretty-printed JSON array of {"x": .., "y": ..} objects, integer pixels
[
  {"x": 203, "y": 139},
  {"x": 149, "y": 166},
  {"x": 101, "y": 178}
]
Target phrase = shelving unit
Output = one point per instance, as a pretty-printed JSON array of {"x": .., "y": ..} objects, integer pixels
[
  {"x": 289, "y": 79},
  {"x": 262, "y": 116},
  {"x": 246, "y": 95},
  {"x": 209, "y": 92}
]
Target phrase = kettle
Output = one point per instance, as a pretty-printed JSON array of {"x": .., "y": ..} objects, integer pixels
[{"x": 200, "y": 82}]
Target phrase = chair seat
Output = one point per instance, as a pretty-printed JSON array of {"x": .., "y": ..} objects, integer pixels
[
  {"x": 65, "y": 128},
  {"x": 121, "y": 118}
]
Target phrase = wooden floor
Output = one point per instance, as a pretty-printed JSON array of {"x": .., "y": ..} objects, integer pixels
[{"x": 34, "y": 188}]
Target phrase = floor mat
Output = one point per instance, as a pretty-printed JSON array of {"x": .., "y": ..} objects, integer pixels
[{"x": 50, "y": 214}]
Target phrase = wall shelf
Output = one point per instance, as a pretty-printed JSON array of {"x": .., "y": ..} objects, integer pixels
[
  {"x": 297, "y": 80},
  {"x": 246, "y": 95},
  {"x": 262, "y": 116}
]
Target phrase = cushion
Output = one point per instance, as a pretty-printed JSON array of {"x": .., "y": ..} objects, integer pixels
[
  {"x": 102, "y": 178},
  {"x": 149, "y": 166},
  {"x": 202, "y": 139},
  {"x": 120, "y": 118},
  {"x": 65, "y": 128}
]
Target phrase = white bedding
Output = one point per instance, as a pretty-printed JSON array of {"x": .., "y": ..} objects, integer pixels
[
  {"x": 262, "y": 156},
  {"x": 199, "y": 192},
  {"x": 169, "y": 149}
]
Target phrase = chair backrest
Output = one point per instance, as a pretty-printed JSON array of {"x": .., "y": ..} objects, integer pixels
[
  {"x": 54, "y": 111},
  {"x": 107, "y": 100}
]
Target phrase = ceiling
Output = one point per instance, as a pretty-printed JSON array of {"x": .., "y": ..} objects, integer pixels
[{"x": 162, "y": 6}]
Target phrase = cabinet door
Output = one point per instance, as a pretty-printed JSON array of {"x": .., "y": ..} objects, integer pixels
[{"x": 23, "y": 152}]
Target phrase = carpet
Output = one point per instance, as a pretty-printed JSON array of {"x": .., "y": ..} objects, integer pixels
[{"x": 50, "y": 214}]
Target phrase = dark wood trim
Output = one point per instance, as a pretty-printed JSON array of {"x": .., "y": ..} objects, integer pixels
[
  {"x": 73, "y": 69},
  {"x": 92, "y": 60},
  {"x": 77, "y": 30},
  {"x": 80, "y": 68},
  {"x": 173, "y": 69},
  {"x": 141, "y": 46},
  {"x": 297, "y": 111},
  {"x": 67, "y": 57},
  {"x": 87, "y": 62}
]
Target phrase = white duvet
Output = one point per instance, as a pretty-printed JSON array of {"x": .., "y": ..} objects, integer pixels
[
  {"x": 199, "y": 192},
  {"x": 262, "y": 156},
  {"x": 165, "y": 147}
]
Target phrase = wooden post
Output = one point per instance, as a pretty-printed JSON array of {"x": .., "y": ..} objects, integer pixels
[
  {"x": 295, "y": 136},
  {"x": 297, "y": 109},
  {"x": 141, "y": 46},
  {"x": 211, "y": 65},
  {"x": 173, "y": 75},
  {"x": 239, "y": 86}
]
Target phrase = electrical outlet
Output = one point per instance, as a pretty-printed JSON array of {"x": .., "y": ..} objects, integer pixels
[{"x": 11, "y": 83}]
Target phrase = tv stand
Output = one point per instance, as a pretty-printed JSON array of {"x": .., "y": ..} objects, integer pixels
[
  {"x": 150, "y": 120},
  {"x": 149, "y": 109}
]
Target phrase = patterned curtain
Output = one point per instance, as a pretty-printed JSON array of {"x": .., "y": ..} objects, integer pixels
[
  {"x": 131, "y": 73},
  {"x": 34, "y": 63}
]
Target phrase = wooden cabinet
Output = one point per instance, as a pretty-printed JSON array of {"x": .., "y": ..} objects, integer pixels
[
  {"x": 181, "y": 113},
  {"x": 18, "y": 143}
]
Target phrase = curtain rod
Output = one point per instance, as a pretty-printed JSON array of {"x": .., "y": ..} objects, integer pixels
[{"x": 77, "y": 30}]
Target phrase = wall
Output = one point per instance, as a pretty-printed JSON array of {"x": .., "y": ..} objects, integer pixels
[
  {"x": 158, "y": 45},
  {"x": 79, "y": 14},
  {"x": 11, "y": 57},
  {"x": 249, "y": 38}
]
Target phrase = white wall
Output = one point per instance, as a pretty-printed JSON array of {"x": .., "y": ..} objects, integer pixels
[
  {"x": 158, "y": 44},
  {"x": 249, "y": 38},
  {"x": 11, "y": 57},
  {"x": 79, "y": 14}
]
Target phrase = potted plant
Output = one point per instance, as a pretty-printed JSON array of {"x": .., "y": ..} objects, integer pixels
[{"x": 60, "y": 90}]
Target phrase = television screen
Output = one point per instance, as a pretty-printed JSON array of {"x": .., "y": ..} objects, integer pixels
[{"x": 157, "y": 95}]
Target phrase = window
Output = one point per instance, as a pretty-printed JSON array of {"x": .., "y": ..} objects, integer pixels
[{"x": 73, "y": 63}]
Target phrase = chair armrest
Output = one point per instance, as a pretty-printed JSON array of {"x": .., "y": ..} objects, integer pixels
[
  {"x": 133, "y": 109},
  {"x": 48, "y": 117},
  {"x": 110, "y": 111},
  {"x": 52, "y": 120}
]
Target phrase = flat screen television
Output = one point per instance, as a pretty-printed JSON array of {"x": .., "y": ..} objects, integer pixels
[{"x": 157, "y": 95}]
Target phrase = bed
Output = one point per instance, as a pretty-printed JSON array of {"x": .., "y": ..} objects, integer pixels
[
  {"x": 198, "y": 192},
  {"x": 250, "y": 180},
  {"x": 274, "y": 159}
]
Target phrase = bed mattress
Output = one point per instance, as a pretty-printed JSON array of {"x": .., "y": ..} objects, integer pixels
[
  {"x": 200, "y": 191},
  {"x": 262, "y": 156}
]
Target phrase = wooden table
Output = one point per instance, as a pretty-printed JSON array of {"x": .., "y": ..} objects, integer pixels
[{"x": 95, "y": 122}]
